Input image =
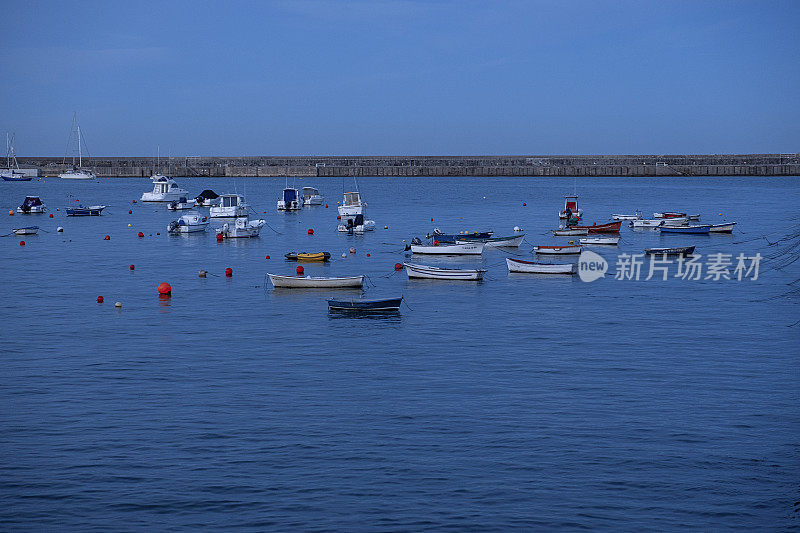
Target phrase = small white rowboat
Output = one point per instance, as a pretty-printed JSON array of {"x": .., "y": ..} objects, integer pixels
[
  {"x": 449, "y": 249},
  {"x": 430, "y": 272},
  {"x": 569, "y": 232},
  {"x": 617, "y": 216},
  {"x": 530, "y": 267},
  {"x": 645, "y": 223},
  {"x": 722, "y": 228},
  {"x": 308, "y": 282},
  {"x": 30, "y": 230},
  {"x": 557, "y": 250},
  {"x": 611, "y": 241}
]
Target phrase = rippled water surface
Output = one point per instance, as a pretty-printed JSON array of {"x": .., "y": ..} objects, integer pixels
[{"x": 519, "y": 402}]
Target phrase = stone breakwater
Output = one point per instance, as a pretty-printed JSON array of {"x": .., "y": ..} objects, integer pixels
[{"x": 584, "y": 165}]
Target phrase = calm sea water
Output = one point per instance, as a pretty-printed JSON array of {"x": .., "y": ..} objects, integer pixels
[{"x": 522, "y": 402}]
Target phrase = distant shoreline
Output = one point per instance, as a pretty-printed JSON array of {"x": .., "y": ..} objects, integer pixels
[{"x": 400, "y": 166}]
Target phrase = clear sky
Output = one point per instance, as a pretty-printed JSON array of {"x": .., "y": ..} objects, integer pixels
[{"x": 402, "y": 77}]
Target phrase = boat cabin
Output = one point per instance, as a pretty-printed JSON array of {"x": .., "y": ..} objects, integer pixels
[
  {"x": 31, "y": 201},
  {"x": 571, "y": 203},
  {"x": 351, "y": 198},
  {"x": 161, "y": 184},
  {"x": 230, "y": 200},
  {"x": 308, "y": 192},
  {"x": 289, "y": 196}
]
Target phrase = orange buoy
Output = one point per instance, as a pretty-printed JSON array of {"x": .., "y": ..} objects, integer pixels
[
  {"x": 107, "y": 238},
  {"x": 219, "y": 237},
  {"x": 99, "y": 299},
  {"x": 338, "y": 217},
  {"x": 310, "y": 231},
  {"x": 22, "y": 243},
  {"x": 228, "y": 272},
  {"x": 164, "y": 288},
  {"x": 398, "y": 266},
  {"x": 11, "y": 213},
  {"x": 132, "y": 267},
  {"x": 202, "y": 273},
  {"x": 141, "y": 234},
  {"x": 51, "y": 215},
  {"x": 300, "y": 270}
]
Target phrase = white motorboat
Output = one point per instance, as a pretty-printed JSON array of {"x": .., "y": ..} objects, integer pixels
[
  {"x": 571, "y": 208},
  {"x": 351, "y": 205},
  {"x": 557, "y": 250},
  {"x": 532, "y": 267},
  {"x": 309, "y": 282},
  {"x": 646, "y": 223},
  {"x": 356, "y": 224},
  {"x": 618, "y": 216},
  {"x": 30, "y": 230},
  {"x": 722, "y": 228},
  {"x": 680, "y": 221},
  {"x": 496, "y": 242},
  {"x": 31, "y": 205},
  {"x": 77, "y": 172},
  {"x": 471, "y": 248},
  {"x": 241, "y": 228},
  {"x": 164, "y": 190},
  {"x": 189, "y": 223},
  {"x": 430, "y": 272},
  {"x": 311, "y": 196},
  {"x": 207, "y": 198},
  {"x": 291, "y": 200},
  {"x": 570, "y": 232},
  {"x": 611, "y": 241},
  {"x": 230, "y": 206},
  {"x": 181, "y": 204}
]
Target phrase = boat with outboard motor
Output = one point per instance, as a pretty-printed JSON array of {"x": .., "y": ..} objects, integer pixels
[
  {"x": 415, "y": 270},
  {"x": 571, "y": 209},
  {"x": 241, "y": 228},
  {"x": 189, "y": 223},
  {"x": 85, "y": 211},
  {"x": 356, "y": 224},
  {"x": 311, "y": 196},
  {"x": 181, "y": 204},
  {"x": 207, "y": 198},
  {"x": 31, "y": 205},
  {"x": 291, "y": 200},
  {"x": 315, "y": 257}
]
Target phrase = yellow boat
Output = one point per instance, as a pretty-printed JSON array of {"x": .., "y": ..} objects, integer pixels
[{"x": 308, "y": 257}]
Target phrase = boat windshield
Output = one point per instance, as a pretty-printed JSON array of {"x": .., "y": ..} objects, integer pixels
[
  {"x": 310, "y": 191},
  {"x": 230, "y": 201},
  {"x": 289, "y": 195},
  {"x": 352, "y": 198}
]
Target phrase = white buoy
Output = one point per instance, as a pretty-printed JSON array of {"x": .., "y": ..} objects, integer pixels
[
  {"x": 60, "y": 229},
  {"x": 517, "y": 228},
  {"x": 118, "y": 305},
  {"x": 344, "y": 254}
]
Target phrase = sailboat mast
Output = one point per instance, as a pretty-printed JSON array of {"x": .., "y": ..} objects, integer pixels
[
  {"x": 80, "y": 154},
  {"x": 8, "y": 153}
]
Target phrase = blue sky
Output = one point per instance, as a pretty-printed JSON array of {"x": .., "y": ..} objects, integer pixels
[{"x": 402, "y": 77}]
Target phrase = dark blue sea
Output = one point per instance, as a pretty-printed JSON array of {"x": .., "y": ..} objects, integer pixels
[{"x": 522, "y": 402}]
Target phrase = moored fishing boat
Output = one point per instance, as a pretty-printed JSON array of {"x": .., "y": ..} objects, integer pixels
[
  {"x": 680, "y": 250},
  {"x": 415, "y": 270},
  {"x": 31, "y": 205},
  {"x": 85, "y": 211},
  {"x": 366, "y": 306},
  {"x": 311, "y": 196},
  {"x": 242, "y": 228},
  {"x": 207, "y": 198},
  {"x": 569, "y": 232},
  {"x": 291, "y": 200},
  {"x": 164, "y": 190},
  {"x": 678, "y": 221},
  {"x": 694, "y": 230},
  {"x": 316, "y": 257},
  {"x": 610, "y": 227},
  {"x": 722, "y": 228},
  {"x": 669, "y": 214},
  {"x": 618, "y": 216},
  {"x": 356, "y": 224},
  {"x": 229, "y": 206},
  {"x": 448, "y": 249},
  {"x": 308, "y": 282},
  {"x": 611, "y": 241},
  {"x": 29, "y": 230},
  {"x": 450, "y": 238},
  {"x": 532, "y": 267},
  {"x": 557, "y": 250},
  {"x": 571, "y": 209},
  {"x": 181, "y": 204},
  {"x": 188, "y": 223},
  {"x": 495, "y": 242},
  {"x": 646, "y": 223}
]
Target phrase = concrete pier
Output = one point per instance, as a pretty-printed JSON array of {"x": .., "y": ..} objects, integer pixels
[{"x": 521, "y": 165}]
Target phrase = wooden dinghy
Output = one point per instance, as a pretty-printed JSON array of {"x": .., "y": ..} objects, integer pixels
[
  {"x": 722, "y": 228},
  {"x": 308, "y": 282},
  {"x": 430, "y": 272},
  {"x": 366, "y": 306},
  {"x": 318, "y": 257},
  {"x": 611, "y": 227},
  {"x": 681, "y": 250},
  {"x": 531, "y": 267},
  {"x": 557, "y": 250},
  {"x": 610, "y": 241}
]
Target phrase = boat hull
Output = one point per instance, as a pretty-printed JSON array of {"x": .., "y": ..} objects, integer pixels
[
  {"x": 683, "y": 250},
  {"x": 93, "y": 211},
  {"x": 30, "y": 230},
  {"x": 531, "y": 267},
  {"x": 366, "y": 306},
  {"x": 496, "y": 242},
  {"x": 557, "y": 250},
  {"x": 296, "y": 282},
  {"x": 428, "y": 272},
  {"x": 448, "y": 249},
  {"x": 646, "y": 223},
  {"x": 722, "y": 228},
  {"x": 607, "y": 241},
  {"x": 612, "y": 227},
  {"x": 569, "y": 232},
  {"x": 692, "y": 230},
  {"x": 616, "y": 216}
]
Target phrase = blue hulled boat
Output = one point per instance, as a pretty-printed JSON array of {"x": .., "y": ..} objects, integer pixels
[
  {"x": 81, "y": 211},
  {"x": 366, "y": 306},
  {"x": 695, "y": 230}
]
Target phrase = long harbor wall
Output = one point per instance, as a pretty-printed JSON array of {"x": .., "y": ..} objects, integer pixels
[{"x": 522, "y": 165}]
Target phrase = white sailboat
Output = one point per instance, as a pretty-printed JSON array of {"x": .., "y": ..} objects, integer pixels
[
  {"x": 12, "y": 173},
  {"x": 76, "y": 172}
]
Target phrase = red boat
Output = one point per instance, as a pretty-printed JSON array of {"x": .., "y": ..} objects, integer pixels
[{"x": 611, "y": 227}]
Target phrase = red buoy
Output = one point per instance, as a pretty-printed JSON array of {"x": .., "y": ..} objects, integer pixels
[
  {"x": 524, "y": 204},
  {"x": 164, "y": 288},
  {"x": 431, "y": 219},
  {"x": 132, "y": 267},
  {"x": 107, "y": 238},
  {"x": 229, "y": 272},
  {"x": 51, "y": 215},
  {"x": 367, "y": 255},
  {"x": 130, "y": 211},
  {"x": 99, "y": 299},
  {"x": 337, "y": 216},
  {"x": 134, "y": 201},
  {"x": 326, "y": 206},
  {"x": 22, "y": 243},
  {"x": 141, "y": 234},
  {"x": 398, "y": 266},
  {"x": 267, "y": 257},
  {"x": 310, "y": 231},
  {"x": 219, "y": 237},
  {"x": 300, "y": 270},
  {"x": 436, "y": 243}
]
